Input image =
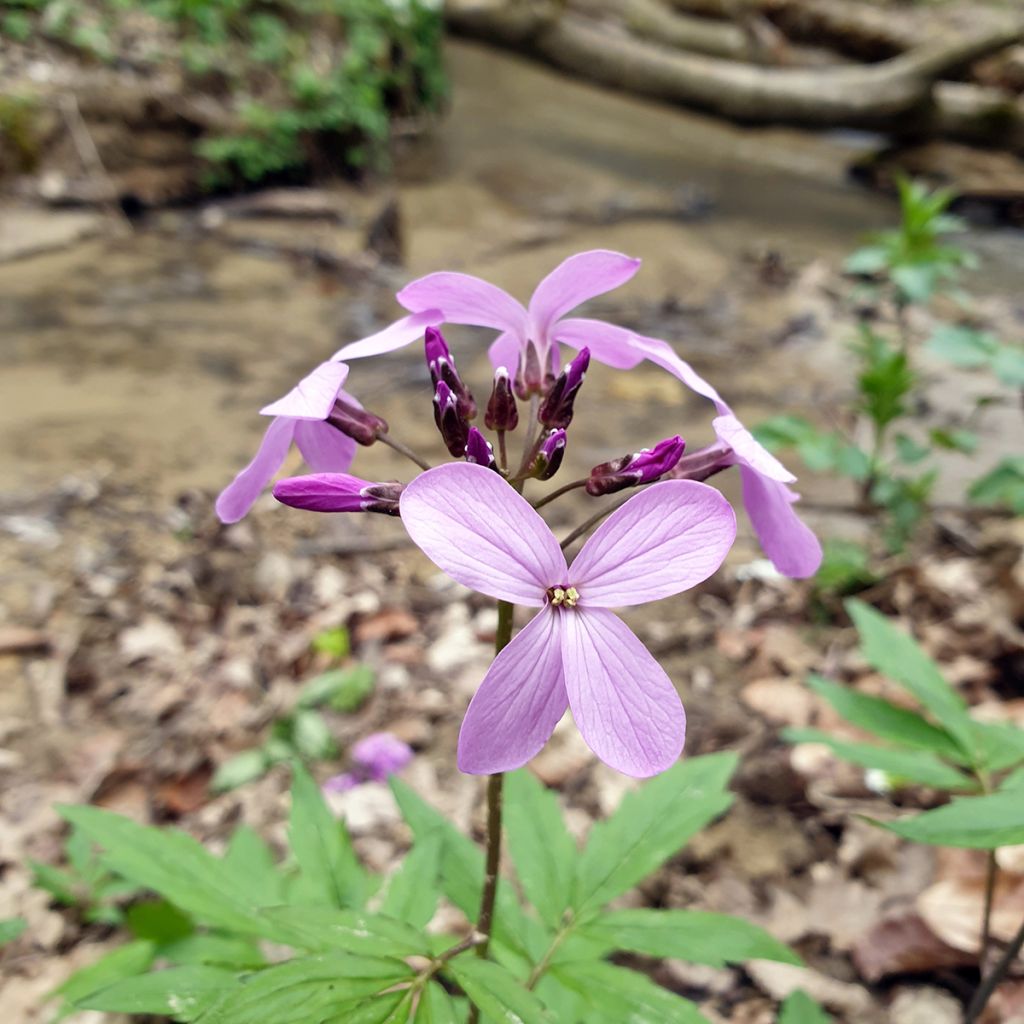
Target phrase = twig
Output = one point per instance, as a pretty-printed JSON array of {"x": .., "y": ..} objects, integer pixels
[
  {"x": 996, "y": 975},
  {"x": 991, "y": 870},
  {"x": 403, "y": 449},
  {"x": 593, "y": 521},
  {"x": 564, "y": 489}
]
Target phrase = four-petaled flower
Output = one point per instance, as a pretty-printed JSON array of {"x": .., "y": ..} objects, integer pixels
[{"x": 575, "y": 653}]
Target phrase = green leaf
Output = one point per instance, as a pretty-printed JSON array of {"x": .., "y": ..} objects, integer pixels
[
  {"x": 173, "y": 865},
  {"x": 652, "y": 823},
  {"x": 11, "y": 928},
  {"x": 698, "y": 936},
  {"x": 895, "y": 654},
  {"x": 322, "y": 929},
  {"x": 977, "y": 823},
  {"x": 909, "y": 450},
  {"x": 964, "y": 441},
  {"x": 498, "y": 994},
  {"x": 462, "y": 867},
  {"x": 60, "y": 884},
  {"x": 249, "y": 859},
  {"x": 344, "y": 689},
  {"x": 1008, "y": 365},
  {"x": 887, "y": 721},
  {"x": 334, "y": 642},
  {"x": 1003, "y": 485},
  {"x": 214, "y": 951},
  {"x": 158, "y": 921},
  {"x": 392, "y": 1008},
  {"x": 1001, "y": 745},
  {"x": 845, "y": 566},
  {"x": 240, "y": 769},
  {"x": 413, "y": 889},
  {"x": 800, "y": 1008},
  {"x": 126, "y": 961},
  {"x": 871, "y": 259},
  {"x": 542, "y": 850},
  {"x": 436, "y": 1007},
  {"x": 626, "y": 995},
  {"x": 179, "y": 992},
  {"x": 305, "y": 989},
  {"x": 962, "y": 346},
  {"x": 322, "y": 846},
  {"x": 312, "y": 737},
  {"x": 907, "y": 765}
]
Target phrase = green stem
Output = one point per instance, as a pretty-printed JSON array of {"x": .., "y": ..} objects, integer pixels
[
  {"x": 545, "y": 961},
  {"x": 502, "y": 451},
  {"x": 996, "y": 975}
]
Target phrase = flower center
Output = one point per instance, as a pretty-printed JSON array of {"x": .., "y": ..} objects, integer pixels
[{"x": 563, "y": 597}]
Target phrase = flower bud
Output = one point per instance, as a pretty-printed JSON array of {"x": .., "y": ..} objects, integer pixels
[
  {"x": 354, "y": 421},
  {"x": 533, "y": 374},
  {"x": 639, "y": 468},
  {"x": 501, "y": 412},
  {"x": 338, "y": 492},
  {"x": 479, "y": 450},
  {"x": 450, "y": 422},
  {"x": 556, "y": 410},
  {"x": 441, "y": 364},
  {"x": 549, "y": 456}
]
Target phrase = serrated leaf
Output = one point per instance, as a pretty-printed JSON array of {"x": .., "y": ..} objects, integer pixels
[
  {"x": 305, "y": 989},
  {"x": 895, "y": 654},
  {"x": 413, "y": 889},
  {"x": 462, "y": 867},
  {"x": 321, "y": 929},
  {"x": 173, "y": 865},
  {"x": 436, "y": 1007},
  {"x": 158, "y": 921},
  {"x": 627, "y": 995},
  {"x": 249, "y": 858},
  {"x": 179, "y": 992},
  {"x": 126, "y": 961},
  {"x": 910, "y": 765},
  {"x": 886, "y": 720},
  {"x": 393, "y": 1008},
  {"x": 977, "y": 823},
  {"x": 542, "y": 850},
  {"x": 698, "y": 936},
  {"x": 800, "y": 1008},
  {"x": 498, "y": 994},
  {"x": 652, "y": 823},
  {"x": 214, "y": 951},
  {"x": 322, "y": 846}
]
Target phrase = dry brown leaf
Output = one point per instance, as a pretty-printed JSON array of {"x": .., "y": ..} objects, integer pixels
[
  {"x": 903, "y": 944},
  {"x": 387, "y": 624},
  {"x": 780, "y": 980},
  {"x": 953, "y": 909},
  {"x": 782, "y": 701}
]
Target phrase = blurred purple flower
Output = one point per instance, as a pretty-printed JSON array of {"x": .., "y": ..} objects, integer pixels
[{"x": 374, "y": 758}]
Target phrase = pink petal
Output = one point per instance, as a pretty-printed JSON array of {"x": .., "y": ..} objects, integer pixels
[
  {"x": 608, "y": 344},
  {"x": 575, "y": 280},
  {"x": 325, "y": 449},
  {"x": 786, "y": 539},
  {"x": 464, "y": 299},
  {"x": 473, "y": 525},
  {"x": 313, "y": 397},
  {"x": 624, "y": 705},
  {"x": 322, "y": 492},
  {"x": 504, "y": 351},
  {"x": 239, "y": 496},
  {"x": 519, "y": 703},
  {"x": 663, "y": 541},
  {"x": 397, "y": 335},
  {"x": 662, "y": 353},
  {"x": 749, "y": 450}
]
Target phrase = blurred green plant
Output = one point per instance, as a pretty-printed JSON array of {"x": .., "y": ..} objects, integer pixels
[
  {"x": 979, "y": 764},
  {"x": 306, "y": 85},
  {"x": 895, "y": 467},
  {"x": 304, "y": 735}
]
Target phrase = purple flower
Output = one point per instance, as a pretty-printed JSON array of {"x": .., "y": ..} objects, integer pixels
[
  {"x": 374, "y": 758},
  {"x": 501, "y": 412},
  {"x": 338, "y": 492},
  {"x": 641, "y": 467},
  {"x": 790, "y": 544},
  {"x": 531, "y": 335},
  {"x": 575, "y": 653},
  {"x": 441, "y": 365},
  {"x": 479, "y": 450},
  {"x": 397, "y": 335},
  {"x": 548, "y": 459},
  {"x": 557, "y": 408},
  {"x": 452, "y": 425}
]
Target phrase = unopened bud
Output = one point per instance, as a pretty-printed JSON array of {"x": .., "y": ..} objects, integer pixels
[
  {"x": 501, "y": 412},
  {"x": 383, "y": 497},
  {"x": 639, "y": 468},
  {"x": 556, "y": 410},
  {"x": 441, "y": 364},
  {"x": 549, "y": 456},
  {"x": 479, "y": 450},
  {"x": 450, "y": 422},
  {"x": 533, "y": 374},
  {"x": 338, "y": 492},
  {"x": 355, "y": 422}
]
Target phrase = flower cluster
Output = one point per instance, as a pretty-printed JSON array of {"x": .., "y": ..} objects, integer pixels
[{"x": 471, "y": 518}]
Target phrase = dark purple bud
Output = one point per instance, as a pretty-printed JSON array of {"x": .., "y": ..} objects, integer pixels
[
  {"x": 549, "y": 456},
  {"x": 356, "y": 422},
  {"x": 441, "y": 364},
  {"x": 453, "y": 426},
  {"x": 501, "y": 413},
  {"x": 533, "y": 374},
  {"x": 383, "y": 497},
  {"x": 704, "y": 462},
  {"x": 640, "y": 468},
  {"x": 556, "y": 410},
  {"x": 338, "y": 492},
  {"x": 479, "y": 450}
]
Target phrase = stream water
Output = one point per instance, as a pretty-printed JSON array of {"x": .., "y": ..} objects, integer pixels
[{"x": 149, "y": 354}]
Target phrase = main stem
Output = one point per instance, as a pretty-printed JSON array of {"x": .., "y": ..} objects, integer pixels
[
  {"x": 996, "y": 975},
  {"x": 485, "y": 919}
]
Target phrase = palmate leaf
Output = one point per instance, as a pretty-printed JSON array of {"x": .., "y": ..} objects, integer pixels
[
  {"x": 436, "y": 1007},
  {"x": 886, "y": 720},
  {"x": 393, "y": 1008},
  {"x": 542, "y": 850},
  {"x": 651, "y": 825},
  {"x": 321, "y": 929},
  {"x": 978, "y": 823},
  {"x": 249, "y": 858},
  {"x": 895, "y": 654},
  {"x": 179, "y": 992},
  {"x": 228, "y": 951},
  {"x": 498, "y": 994},
  {"x": 126, "y": 961},
  {"x": 698, "y": 936},
  {"x": 414, "y": 888},
  {"x": 909, "y": 765},
  {"x": 619, "y": 994}
]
